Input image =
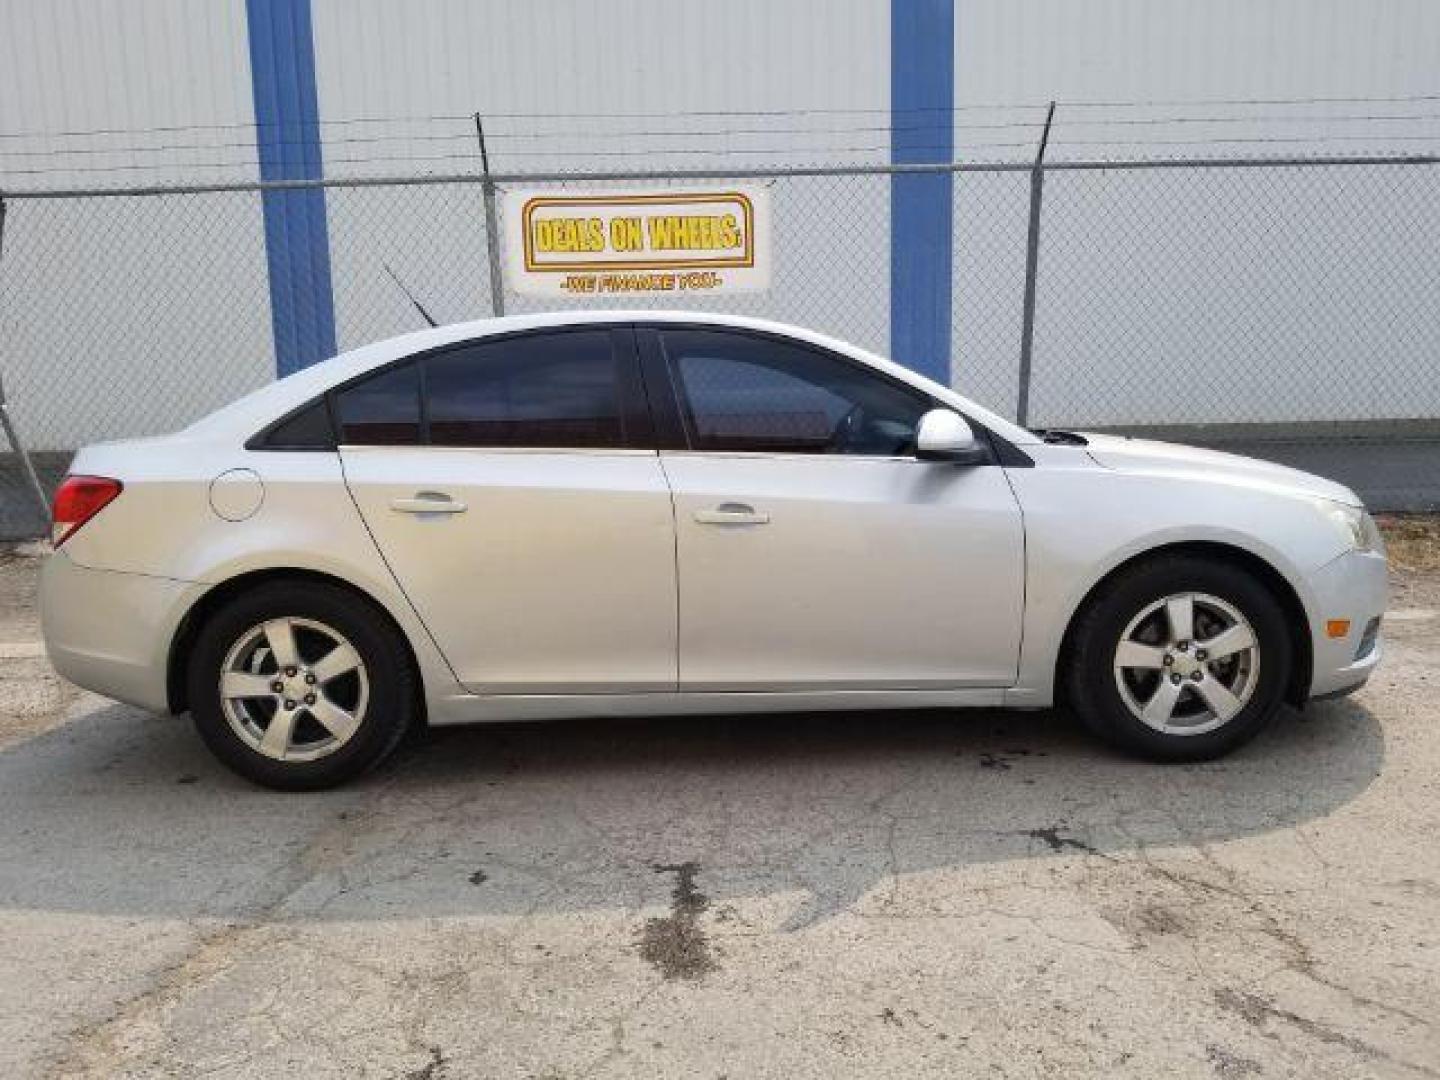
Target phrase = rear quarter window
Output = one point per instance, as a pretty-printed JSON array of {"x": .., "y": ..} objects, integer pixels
[
  {"x": 307, "y": 429},
  {"x": 383, "y": 410}
]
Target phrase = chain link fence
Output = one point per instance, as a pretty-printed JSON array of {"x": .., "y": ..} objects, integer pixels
[
  {"x": 1283, "y": 310},
  {"x": 1280, "y": 308}
]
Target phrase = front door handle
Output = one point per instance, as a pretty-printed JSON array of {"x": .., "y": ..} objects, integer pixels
[
  {"x": 731, "y": 513},
  {"x": 428, "y": 502}
]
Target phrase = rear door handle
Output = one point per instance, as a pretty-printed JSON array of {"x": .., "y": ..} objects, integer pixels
[
  {"x": 428, "y": 502},
  {"x": 731, "y": 513}
]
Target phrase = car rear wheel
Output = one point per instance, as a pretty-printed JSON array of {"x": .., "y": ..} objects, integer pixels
[
  {"x": 300, "y": 685},
  {"x": 1180, "y": 658}
]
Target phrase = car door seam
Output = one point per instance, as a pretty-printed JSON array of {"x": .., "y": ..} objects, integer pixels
[
  {"x": 1024, "y": 575},
  {"x": 675, "y": 551},
  {"x": 399, "y": 585}
]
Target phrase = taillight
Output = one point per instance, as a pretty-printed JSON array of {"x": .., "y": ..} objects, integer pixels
[{"x": 77, "y": 500}]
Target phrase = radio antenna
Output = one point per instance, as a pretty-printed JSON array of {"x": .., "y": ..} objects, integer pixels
[{"x": 409, "y": 295}]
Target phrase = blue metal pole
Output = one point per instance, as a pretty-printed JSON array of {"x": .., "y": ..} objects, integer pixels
[
  {"x": 922, "y": 97},
  {"x": 297, "y": 244}
]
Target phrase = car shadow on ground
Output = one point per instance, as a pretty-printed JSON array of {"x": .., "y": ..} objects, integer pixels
[{"x": 119, "y": 812}]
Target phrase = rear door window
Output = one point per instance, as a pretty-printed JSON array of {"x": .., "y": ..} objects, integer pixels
[{"x": 560, "y": 390}]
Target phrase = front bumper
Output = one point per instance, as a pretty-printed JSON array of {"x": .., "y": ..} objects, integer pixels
[
  {"x": 1353, "y": 587},
  {"x": 109, "y": 631}
]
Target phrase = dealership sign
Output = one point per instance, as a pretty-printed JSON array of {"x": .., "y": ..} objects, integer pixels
[{"x": 644, "y": 243}]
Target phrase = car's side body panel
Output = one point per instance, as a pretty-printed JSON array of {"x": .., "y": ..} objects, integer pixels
[
  {"x": 1353, "y": 587},
  {"x": 164, "y": 526},
  {"x": 112, "y": 630},
  {"x": 1083, "y": 520},
  {"x": 557, "y": 577},
  {"x": 508, "y": 708},
  {"x": 867, "y": 573}
]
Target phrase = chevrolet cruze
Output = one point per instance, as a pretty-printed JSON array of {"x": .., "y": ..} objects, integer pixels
[{"x": 597, "y": 514}]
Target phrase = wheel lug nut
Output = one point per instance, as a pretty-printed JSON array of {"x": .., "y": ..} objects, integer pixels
[
  {"x": 1196, "y": 676},
  {"x": 1167, "y": 660},
  {"x": 309, "y": 699},
  {"x": 291, "y": 671},
  {"x": 278, "y": 686},
  {"x": 310, "y": 677},
  {"x": 289, "y": 704},
  {"x": 1201, "y": 655},
  {"x": 1183, "y": 646},
  {"x": 1175, "y": 678}
]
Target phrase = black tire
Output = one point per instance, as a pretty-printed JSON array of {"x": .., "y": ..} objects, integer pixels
[
  {"x": 390, "y": 708},
  {"x": 1091, "y": 680}
]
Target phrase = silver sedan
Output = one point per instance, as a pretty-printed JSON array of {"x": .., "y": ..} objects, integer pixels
[{"x": 587, "y": 514}]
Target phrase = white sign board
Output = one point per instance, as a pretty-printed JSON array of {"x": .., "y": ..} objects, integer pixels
[{"x": 640, "y": 243}]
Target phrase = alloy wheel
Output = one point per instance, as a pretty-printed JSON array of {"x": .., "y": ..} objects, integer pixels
[
  {"x": 1187, "y": 664},
  {"x": 294, "y": 689}
]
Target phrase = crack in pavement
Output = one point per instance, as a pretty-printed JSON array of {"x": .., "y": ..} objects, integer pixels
[
  {"x": 1258, "y": 1011},
  {"x": 97, "y": 1047}
]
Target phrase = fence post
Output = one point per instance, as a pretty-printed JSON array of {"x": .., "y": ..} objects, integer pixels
[
  {"x": 25, "y": 463},
  {"x": 492, "y": 229},
  {"x": 31, "y": 476},
  {"x": 1032, "y": 262}
]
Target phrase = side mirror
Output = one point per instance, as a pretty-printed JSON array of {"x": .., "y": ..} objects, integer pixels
[{"x": 945, "y": 436}]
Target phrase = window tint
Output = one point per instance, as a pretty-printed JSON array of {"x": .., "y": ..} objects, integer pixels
[
  {"x": 383, "y": 410},
  {"x": 540, "y": 390},
  {"x": 743, "y": 392},
  {"x": 308, "y": 429}
]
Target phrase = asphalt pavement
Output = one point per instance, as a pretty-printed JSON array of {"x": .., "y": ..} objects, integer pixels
[{"x": 932, "y": 894}]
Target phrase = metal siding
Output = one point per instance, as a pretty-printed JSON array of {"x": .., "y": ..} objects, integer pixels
[
  {"x": 124, "y": 92},
  {"x": 131, "y": 69},
  {"x": 541, "y": 73},
  {"x": 647, "y": 67},
  {"x": 138, "y": 316},
  {"x": 1116, "y": 308},
  {"x": 1178, "y": 50}
]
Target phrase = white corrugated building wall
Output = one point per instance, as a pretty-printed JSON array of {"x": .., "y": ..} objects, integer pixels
[{"x": 133, "y": 315}]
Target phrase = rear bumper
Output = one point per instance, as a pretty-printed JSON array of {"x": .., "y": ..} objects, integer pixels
[
  {"x": 109, "y": 631},
  {"x": 1353, "y": 587}
]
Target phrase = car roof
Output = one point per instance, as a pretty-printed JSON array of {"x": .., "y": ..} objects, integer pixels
[{"x": 242, "y": 418}]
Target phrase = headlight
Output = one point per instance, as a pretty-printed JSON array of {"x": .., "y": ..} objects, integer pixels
[{"x": 1356, "y": 526}]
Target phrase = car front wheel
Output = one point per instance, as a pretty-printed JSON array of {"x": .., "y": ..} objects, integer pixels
[
  {"x": 300, "y": 685},
  {"x": 1180, "y": 658}
]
